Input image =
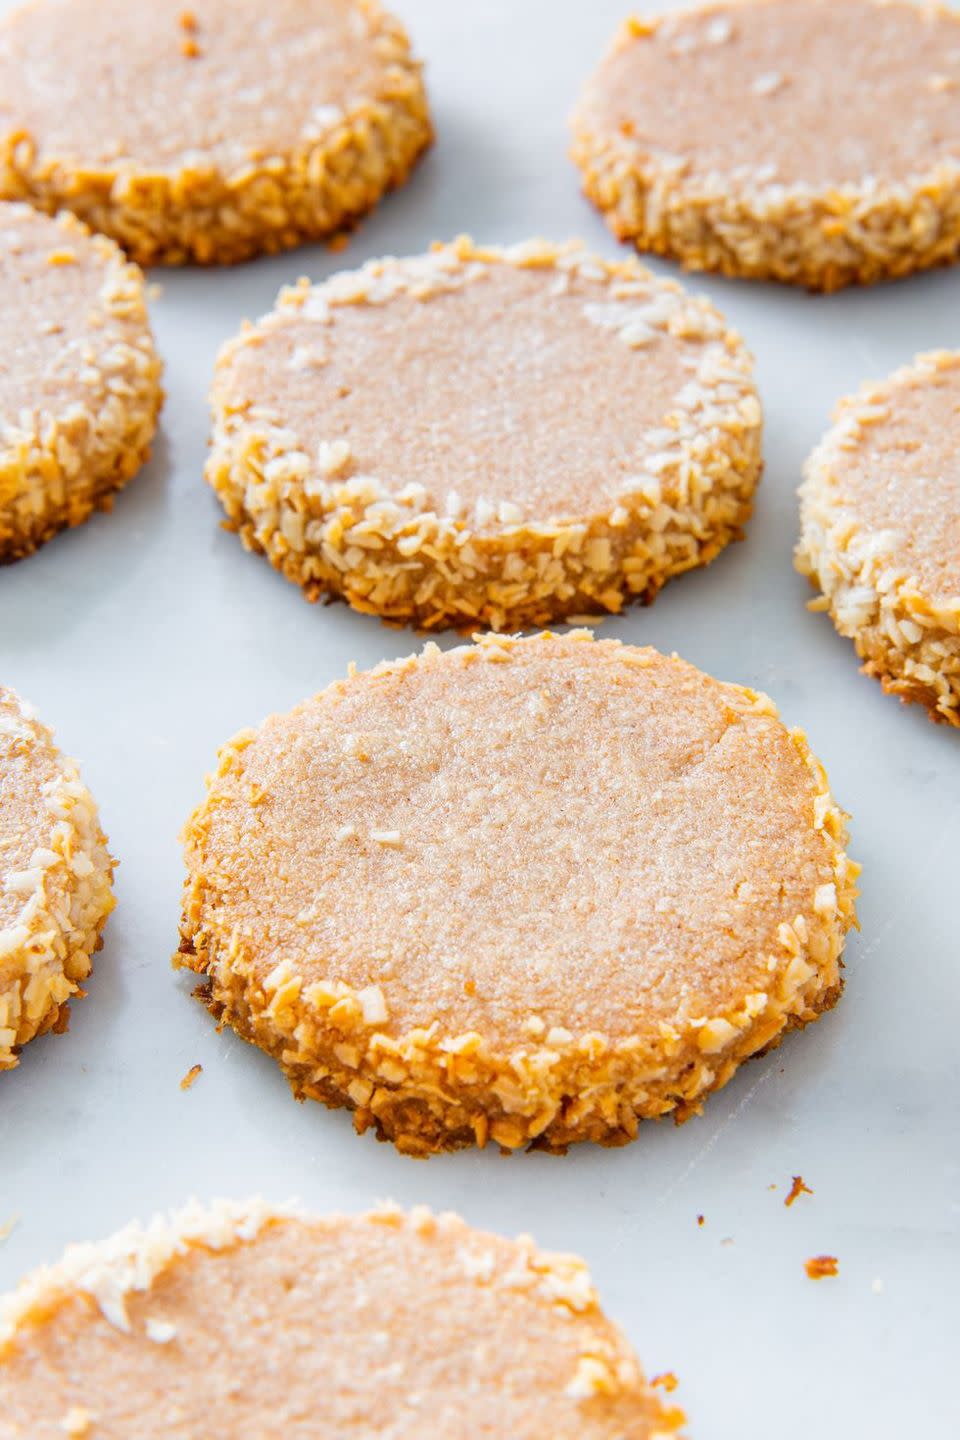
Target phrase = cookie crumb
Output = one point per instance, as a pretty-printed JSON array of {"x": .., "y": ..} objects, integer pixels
[
  {"x": 191, "y": 1076},
  {"x": 820, "y": 1266},
  {"x": 666, "y": 1380},
  {"x": 190, "y": 48},
  {"x": 188, "y": 22},
  {"x": 798, "y": 1188},
  {"x": 701, "y": 1220}
]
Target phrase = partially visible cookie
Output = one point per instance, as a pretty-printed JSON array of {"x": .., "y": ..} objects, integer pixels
[
  {"x": 530, "y": 891},
  {"x": 880, "y": 530},
  {"x": 79, "y": 376},
  {"x": 809, "y": 141},
  {"x": 487, "y": 436},
  {"x": 209, "y": 133},
  {"x": 280, "y": 1324},
  {"x": 55, "y": 880}
]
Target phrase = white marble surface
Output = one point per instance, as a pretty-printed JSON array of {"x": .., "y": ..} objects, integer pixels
[{"x": 149, "y": 636}]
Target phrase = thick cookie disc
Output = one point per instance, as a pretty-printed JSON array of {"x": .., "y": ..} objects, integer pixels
[
  {"x": 812, "y": 141},
  {"x": 531, "y": 890},
  {"x": 259, "y": 1324},
  {"x": 55, "y": 880},
  {"x": 211, "y": 133},
  {"x": 79, "y": 376},
  {"x": 880, "y": 530},
  {"x": 493, "y": 436}
]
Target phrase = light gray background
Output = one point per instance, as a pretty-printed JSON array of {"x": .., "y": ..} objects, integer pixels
[{"x": 148, "y": 637}]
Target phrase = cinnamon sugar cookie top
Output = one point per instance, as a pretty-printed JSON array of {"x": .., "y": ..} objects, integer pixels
[
  {"x": 557, "y": 831},
  {"x": 772, "y": 93},
  {"x": 76, "y": 333},
  {"x": 492, "y": 387},
  {"x": 382, "y": 1324},
  {"x": 103, "y": 85}
]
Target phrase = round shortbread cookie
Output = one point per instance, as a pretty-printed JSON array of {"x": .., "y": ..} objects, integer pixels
[
  {"x": 531, "y": 890},
  {"x": 79, "y": 376},
  {"x": 207, "y": 134},
  {"x": 809, "y": 141},
  {"x": 56, "y": 879},
  {"x": 494, "y": 436},
  {"x": 880, "y": 530},
  {"x": 281, "y": 1324}
]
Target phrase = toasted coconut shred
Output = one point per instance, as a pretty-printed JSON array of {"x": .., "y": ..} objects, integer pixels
[
  {"x": 250, "y": 130},
  {"x": 880, "y": 530},
  {"x": 208, "y": 1294},
  {"x": 80, "y": 384},
  {"x": 765, "y": 138},
  {"x": 567, "y": 788},
  {"x": 564, "y": 434},
  {"x": 55, "y": 880}
]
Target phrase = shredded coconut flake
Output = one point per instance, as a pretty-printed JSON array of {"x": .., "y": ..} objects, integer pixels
[
  {"x": 161, "y": 1332},
  {"x": 768, "y": 83}
]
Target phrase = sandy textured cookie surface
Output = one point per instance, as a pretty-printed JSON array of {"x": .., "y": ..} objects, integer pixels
[
  {"x": 79, "y": 376},
  {"x": 209, "y": 132},
  {"x": 279, "y": 1324},
  {"x": 502, "y": 436},
  {"x": 811, "y": 141},
  {"x": 55, "y": 880},
  {"x": 880, "y": 530},
  {"x": 528, "y": 890}
]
